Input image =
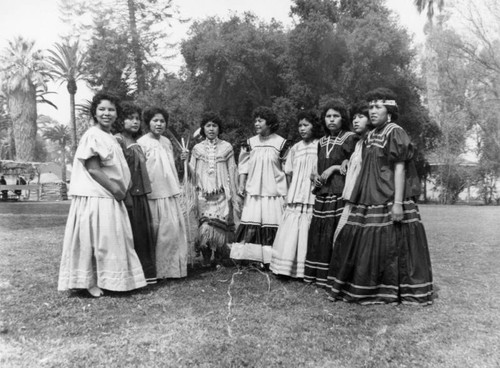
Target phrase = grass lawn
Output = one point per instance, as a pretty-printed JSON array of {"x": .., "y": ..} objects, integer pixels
[{"x": 245, "y": 318}]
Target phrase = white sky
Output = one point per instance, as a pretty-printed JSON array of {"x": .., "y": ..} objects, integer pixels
[{"x": 39, "y": 20}]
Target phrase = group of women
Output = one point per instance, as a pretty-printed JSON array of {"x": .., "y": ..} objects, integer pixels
[
  {"x": 338, "y": 209},
  {"x": 125, "y": 226}
]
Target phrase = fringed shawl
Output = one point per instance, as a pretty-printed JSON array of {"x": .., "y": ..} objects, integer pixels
[{"x": 214, "y": 168}]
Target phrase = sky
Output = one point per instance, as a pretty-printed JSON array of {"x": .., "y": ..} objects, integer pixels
[{"x": 39, "y": 20}]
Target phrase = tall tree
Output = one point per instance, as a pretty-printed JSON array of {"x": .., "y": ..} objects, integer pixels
[
  {"x": 430, "y": 5},
  {"x": 137, "y": 31},
  {"x": 60, "y": 135},
  {"x": 23, "y": 70},
  {"x": 468, "y": 67},
  {"x": 107, "y": 60},
  {"x": 233, "y": 65},
  {"x": 7, "y": 151},
  {"x": 136, "y": 47},
  {"x": 431, "y": 72},
  {"x": 343, "y": 49},
  {"x": 67, "y": 66},
  {"x": 337, "y": 49}
]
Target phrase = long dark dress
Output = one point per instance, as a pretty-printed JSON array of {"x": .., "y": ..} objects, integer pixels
[
  {"x": 376, "y": 260},
  {"x": 328, "y": 206},
  {"x": 138, "y": 208}
]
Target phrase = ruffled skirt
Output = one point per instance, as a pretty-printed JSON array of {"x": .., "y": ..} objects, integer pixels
[
  {"x": 290, "y": 244},
  {"x": 260, "y": 219},
  {"x": 326, "y": 215},
  {"x": 376, "y": 261},
  {"x": 169, "y": 233},
  {"x": 98, "y": 248}
]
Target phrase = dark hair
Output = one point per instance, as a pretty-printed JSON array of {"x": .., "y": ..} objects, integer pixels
[
  {"x": 268, "y": 115},
  {"x": 312, "y": 118},
  {"x": 208, "y": 117},
  {"x": 105, "y": 96},
  {"x": 149, "y": 113},
  {"x": 338, "y": 106},
  {"x": 361, "y": 108},
  {"x": 128, "y": 109},
  {"x": 384, "y": 94}
]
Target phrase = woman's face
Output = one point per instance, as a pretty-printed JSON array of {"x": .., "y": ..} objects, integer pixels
[
  {"x": 105, "y": 115},
  {"x": 261, "y": 127},
  {"x": 305, "y": 130},
  {"x": 360, "y": 123},
  {"x": 333, "y": 120},
  {"x": 378, "y": 113},
  {"x": 211, "y": 130},
  {"x": 157, "y": 125},
  {"x": 132, "y": 123}
]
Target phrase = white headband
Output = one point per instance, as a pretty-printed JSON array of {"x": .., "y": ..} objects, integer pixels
[{"x": 385, "y": 102}]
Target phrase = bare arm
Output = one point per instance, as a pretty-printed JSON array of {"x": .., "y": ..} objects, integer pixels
[
  {"x": 242, "y": 184},
  {"x": 399, "y": 182},
  {"x": 93, "y": 166},
  {"x": 328, "y": 172}
]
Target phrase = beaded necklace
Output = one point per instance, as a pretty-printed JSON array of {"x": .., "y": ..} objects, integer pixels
[
  {"x": 329, "y": 150},
  {"x": 211, "y": 148}
]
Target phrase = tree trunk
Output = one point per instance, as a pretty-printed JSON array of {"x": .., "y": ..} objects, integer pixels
[
  {"x": 63, "y": 159},
  {"x": 74, "y": 141},
  {"x": 22, "y": 109},
  {"x": 136, "y": 48}
]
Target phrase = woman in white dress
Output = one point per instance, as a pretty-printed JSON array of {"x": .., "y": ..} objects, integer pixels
[
  {"x": 169, "y": 230},
  {"x": 262, "y": 183},
  {"x": 98, "y": 251},
  {"x": 290, "y": 245}
]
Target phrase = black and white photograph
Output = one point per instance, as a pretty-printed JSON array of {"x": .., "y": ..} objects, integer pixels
[{"x": 234, "y": 183}]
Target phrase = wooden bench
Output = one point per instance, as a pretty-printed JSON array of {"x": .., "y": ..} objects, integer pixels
[{"x": 28, "y": 187}]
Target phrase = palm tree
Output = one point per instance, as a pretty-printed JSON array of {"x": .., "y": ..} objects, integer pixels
[
  {"x": 6, "y": 133},
  {"x": 22, "y": 71},
  {"x": 67, "y": 66},
  {"x": 434, "y": 100},
  {"x": 429, "y": 4},
  {"x": 59, "y": 134}
]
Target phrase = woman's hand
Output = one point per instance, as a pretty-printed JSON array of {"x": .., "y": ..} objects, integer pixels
[
  {"x": 241, "y": 190},
  {"x": 344, "y": 167},
  {"x": 316, "y": 180},
  {"x": 328, "y": 172},
  {"x": 119, "y": 195},
  {"x": 397, "y": 212},
  {"x": 117, "y": 192},
  {"x": 184, "y": 155}
]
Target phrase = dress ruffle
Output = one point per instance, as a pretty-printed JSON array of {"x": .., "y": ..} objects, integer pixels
[
  {"x": 375, "y": 260},
  {"x": 326, "y": 214},
  {"x": 257, "y": 230},
  {"x": 290, "y": 244}
]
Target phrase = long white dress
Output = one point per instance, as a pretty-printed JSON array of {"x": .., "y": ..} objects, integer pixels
[
  {"x": 169, "y": 230},
  {"x": 98, "y": 247},
  {"x": 290, "y": 244},
  {"x": 266, "y": 188}
]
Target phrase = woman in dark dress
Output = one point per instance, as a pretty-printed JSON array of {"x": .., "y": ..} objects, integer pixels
[
  {"x": 334, "y": 150},
  {"x": 381, "y": 254},
  {"x": 136, "y": 200}
]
